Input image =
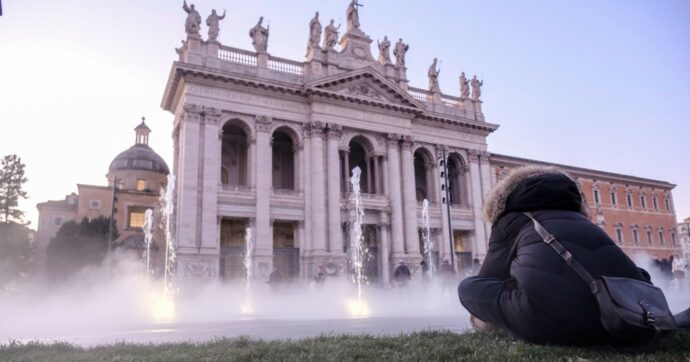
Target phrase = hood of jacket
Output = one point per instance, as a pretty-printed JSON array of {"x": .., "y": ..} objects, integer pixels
[{"x": 533, "y": 188}]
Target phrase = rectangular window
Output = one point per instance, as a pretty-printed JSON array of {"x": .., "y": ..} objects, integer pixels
[
  {"x": 661, "y": 237},
  {"x": 673, "y": 239},
  {"x": 619, "y": 235},
  {"x": 135, "y": 217},
  {"x": 649, "y": 237},
  {"x": 636, "y": 237},
  {"x": 668, "y": 205},
  {"x": 596, "y": 197},
  {"x": 654, "y": 201},
  {"x": 628, "y": 197},
  {"x": 643, "y": 202},
  {"x": 613, "y": 198},
  {"x": 95, "y": 204},
  {"x": 141, "y": 184}
]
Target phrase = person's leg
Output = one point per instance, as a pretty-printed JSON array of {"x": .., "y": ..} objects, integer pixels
[{"x": 481, "y": 297}]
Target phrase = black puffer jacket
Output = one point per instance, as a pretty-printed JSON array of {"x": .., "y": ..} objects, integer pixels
[{"x": 551, "y": 300}]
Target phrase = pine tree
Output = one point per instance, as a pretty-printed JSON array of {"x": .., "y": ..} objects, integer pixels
[{"x": 12, "y": 180}]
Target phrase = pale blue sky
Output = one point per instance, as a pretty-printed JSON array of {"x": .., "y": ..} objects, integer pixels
[{"x": 596, "y": 84}]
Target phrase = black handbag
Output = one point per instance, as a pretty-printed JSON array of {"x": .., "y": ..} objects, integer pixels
[{"x": 632, "y": 311}]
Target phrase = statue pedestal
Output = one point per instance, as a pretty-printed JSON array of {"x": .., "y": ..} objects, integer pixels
[{"x": 356, "y": 45}]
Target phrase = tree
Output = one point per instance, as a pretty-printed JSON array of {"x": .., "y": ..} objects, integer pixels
[
  {"x": 78, "y": 245},
  {"x": 15, "y": 252},
  {"x": 12, "y": 180}
]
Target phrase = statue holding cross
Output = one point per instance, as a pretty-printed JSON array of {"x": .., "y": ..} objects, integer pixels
[{"x": 353, "y": 15}]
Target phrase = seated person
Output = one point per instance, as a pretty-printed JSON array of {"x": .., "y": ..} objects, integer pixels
[{"x": 524, "y": 286}]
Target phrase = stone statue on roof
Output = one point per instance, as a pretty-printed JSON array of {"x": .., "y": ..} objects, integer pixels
[
  {"x": 464, "y": 86},
  {"x": 192, "y": 24},
  {"x": 213, "y": 22},
  {"x": 330, "y": 36},
  {"x": 399, "y": 51},
  {"x": 384, "y": 51},
  {"x": 314, "y": 32},
  {"x": 433, "y": 77},
  {"x": 476, "y": 88},
  {"x": 259, "y": 36},
  {"x": 353, "y": 15}
]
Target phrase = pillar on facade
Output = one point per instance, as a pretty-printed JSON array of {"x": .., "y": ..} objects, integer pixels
[
  {"x": 263, "y": 242},
  {"x": 409, "y": 199},
  {"x": 318, "y": 201},
  {"x": 335, "y": 241},
  {"x": 485, "y": 172},
  {"x": 384, "y": 230},
  {"x": 395, "y": 196},
  {"x": 480, "y": 241},
  {"x": 210, "y": 170},
  {"x": 445, "y": 238}
]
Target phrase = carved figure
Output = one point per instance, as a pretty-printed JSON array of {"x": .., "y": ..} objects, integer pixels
[
  {"x": 433, "y": 77},
  {"x": 384, "y": 51},
  {"x": 330, "y": 36},
  {"x": 399, "y": 51},
  {"x": 193, "y": 23},
  {"x": 213, "y": 22},
  {"x": 353, "y": 15},
  {"x": 314, "y": 33},
  {"x": 259, "y": 36},
  {"x": 464, "y": 86},
  {"x": 476, "y": 88}
]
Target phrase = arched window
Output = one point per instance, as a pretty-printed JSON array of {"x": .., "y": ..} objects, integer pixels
[
  {"x": 423, "y": 170},
  {"x": 457, "y": 180},
  {"x": 234, "y": 155},
  {"x": 361, "y": 155},
  {"x": 283, "y": 164}
]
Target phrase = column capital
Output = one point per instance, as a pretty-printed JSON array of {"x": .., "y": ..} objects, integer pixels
[
  {"x": 473, "y": 155},
  {"x": 440, "y": 149},
  {"x": 191, "y": 112},
  {"x": 263, "y": 123},
  {"x": 314, "y": 128},
  {"x": 392, "y": 139},
  {"x": 484, "y": 156},
  {"x": 212, "y": 115},
  {"x": 407, "y": 142},
  {"x": 334, "y": 131}
]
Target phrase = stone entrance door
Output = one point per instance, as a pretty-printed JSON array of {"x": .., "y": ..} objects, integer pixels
[{"x": 286, "y": 261}]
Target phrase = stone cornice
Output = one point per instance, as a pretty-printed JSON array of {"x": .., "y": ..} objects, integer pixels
[{"x": 510, "y": 161}]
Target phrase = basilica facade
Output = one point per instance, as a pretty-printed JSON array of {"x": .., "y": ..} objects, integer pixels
[{"x": 264, "y": 149}]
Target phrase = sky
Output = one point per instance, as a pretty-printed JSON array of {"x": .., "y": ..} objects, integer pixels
[{"x": 597, "y": 84}]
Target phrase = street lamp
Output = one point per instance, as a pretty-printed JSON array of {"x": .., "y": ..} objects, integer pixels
[
  {"x": 111, "y": 222},
  {"x": 446, "y": 200}
]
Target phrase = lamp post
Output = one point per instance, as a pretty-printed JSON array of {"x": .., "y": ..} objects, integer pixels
[
  {"x": 446, "y": 200},
  {"x": 111, "y": 222}
]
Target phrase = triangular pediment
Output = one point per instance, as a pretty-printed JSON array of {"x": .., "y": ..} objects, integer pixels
[{"x": 364, "y": 84}]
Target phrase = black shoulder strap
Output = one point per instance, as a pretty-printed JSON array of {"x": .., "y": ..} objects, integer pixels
[{"x": 564, "y": 253}]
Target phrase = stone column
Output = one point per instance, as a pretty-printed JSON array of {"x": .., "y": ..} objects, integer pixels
[
  {"x": 188, "y": 179},
  {"x": 394, "y": 194},
  {"x": 335, "y": 242},
  {"x": 444, "y": 239},
  {"x": 263, "y": 252},
  {"x": 409, "y": 199},
  {"x": 377, "y": 175},
  {"x": 485, "y": 172},
  {"x": 210, "y": 169},
  {"x": 306, "y": 176},
  {"x": 346, "y": 175},
  {"x": 318, "y": 202},
  {"x": 384, "y": 226},
  {"x": 480, "y": 239}
]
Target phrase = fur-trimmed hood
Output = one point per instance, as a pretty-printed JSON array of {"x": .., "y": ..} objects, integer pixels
[{"x": 495, "y": 204}]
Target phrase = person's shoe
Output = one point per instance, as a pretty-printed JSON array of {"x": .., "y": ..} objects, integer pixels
[{"x": 683, "y": 319}]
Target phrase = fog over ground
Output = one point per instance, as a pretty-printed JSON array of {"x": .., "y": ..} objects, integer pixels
[{"x": 100, "y": 306}]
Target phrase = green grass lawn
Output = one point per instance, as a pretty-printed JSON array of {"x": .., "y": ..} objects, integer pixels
[{"x": 423, "y": 346}]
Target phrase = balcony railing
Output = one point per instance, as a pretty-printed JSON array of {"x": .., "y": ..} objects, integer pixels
[
  {"x": 236, "y": 188},
  {"x": 239, "y": 56},
  {"x": 285, "y": 65},
  {"x": 419, "y": 94},
  {"x": 287, "y": 192}
]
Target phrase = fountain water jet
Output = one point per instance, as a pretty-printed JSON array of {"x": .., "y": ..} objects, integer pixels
[
  {"x": 164, "y": 303},
  {"x": 247, "y": 307},
  {"x": 148, "y": 237},
  {"x": 358, "y": 252},
  {"x": 428, "y": 244}
]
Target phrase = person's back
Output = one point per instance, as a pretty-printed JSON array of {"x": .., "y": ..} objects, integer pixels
[{"x": 540, "y": 298}]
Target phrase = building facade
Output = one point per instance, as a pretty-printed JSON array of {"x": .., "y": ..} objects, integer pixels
[
  {"x": 136, "y": 176},
  {"x": 264, "y": 149}
]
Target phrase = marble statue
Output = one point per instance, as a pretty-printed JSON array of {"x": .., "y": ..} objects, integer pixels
[
  {"x": 464, "y": 86},
  {"x": 399, "y": 51},
  {"x": 314, "y": 33},
  {"x": 433, "y": 77},
  {"x": 213, "y": 22},
  {"x": 476, "y": 88},
  {"x": 384, "y": 53},
  {"x": 259, "y": 36},
  {"x": 330, "y": 36},
  {"x": 193, "y": 23},
  {"x": 353, "y": 15}
]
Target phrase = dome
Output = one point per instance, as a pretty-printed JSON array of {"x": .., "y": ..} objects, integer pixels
[{"x": 139, "y": 157}]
